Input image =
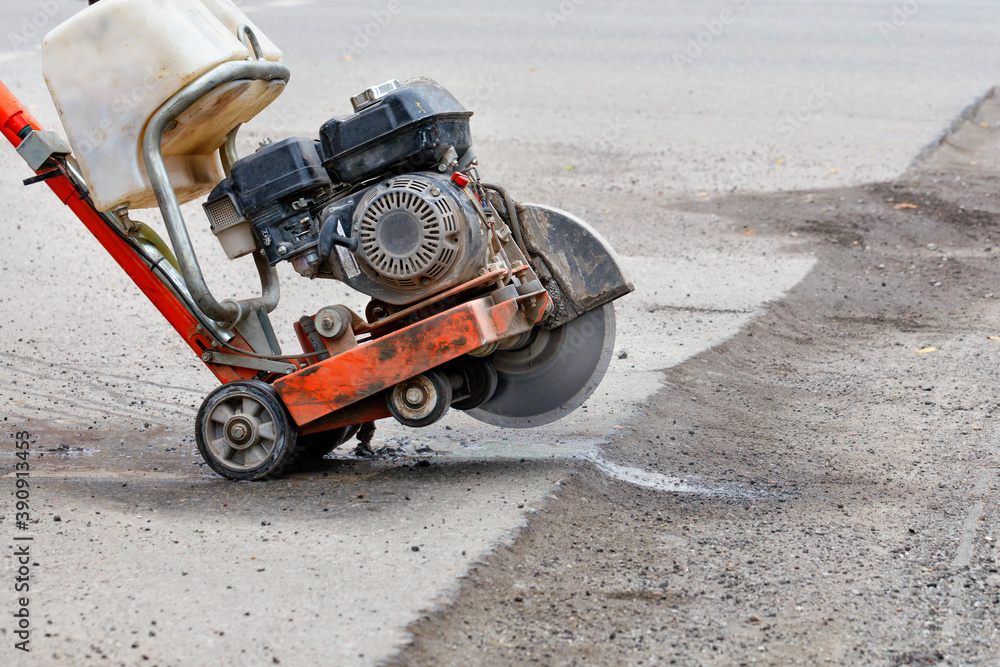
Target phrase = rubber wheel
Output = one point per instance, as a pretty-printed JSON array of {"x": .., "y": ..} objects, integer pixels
[
  {"x": 421, "y": 400},
  {"x": 317, "y": 445},
  {"x": 481, "y": 383},
  {"x": 244, "y": 431}
]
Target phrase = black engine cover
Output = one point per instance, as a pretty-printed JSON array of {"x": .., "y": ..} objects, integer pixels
[
  {"x": 409, "y": 129},
  {"x": 278, "y": 189},
  {"x": 276, "y": 171},
  {"x": 283, "y": 188}
]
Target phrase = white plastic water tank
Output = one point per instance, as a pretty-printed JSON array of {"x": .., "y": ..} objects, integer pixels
[{"x": 113, "y": 64}]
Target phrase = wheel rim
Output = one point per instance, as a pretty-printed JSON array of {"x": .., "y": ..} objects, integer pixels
[
  {"x": 421, "y": 400},
  {"x": 416, "y": 398},
  {"x": 241, "y": 433}
]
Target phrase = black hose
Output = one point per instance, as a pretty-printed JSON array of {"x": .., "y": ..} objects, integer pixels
[{"x": 515, "y": 222}]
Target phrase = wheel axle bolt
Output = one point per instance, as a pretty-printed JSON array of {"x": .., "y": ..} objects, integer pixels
[
  {"x": 414, "y": 396},
  {"x": 327, "y": 323},
  {"x": 239, "y": 431}
]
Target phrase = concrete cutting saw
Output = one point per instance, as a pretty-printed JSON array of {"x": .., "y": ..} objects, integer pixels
[{"x": 478, "y": 302}]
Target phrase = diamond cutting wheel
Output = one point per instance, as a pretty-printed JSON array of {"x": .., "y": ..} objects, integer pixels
[{"x": 554, "y": 375}]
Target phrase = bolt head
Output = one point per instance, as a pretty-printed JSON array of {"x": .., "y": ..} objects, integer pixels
[
  {"x": 327, "y": 323},
  {"x": 414, "y": 396},
  {"x": 239, "y": 431}
]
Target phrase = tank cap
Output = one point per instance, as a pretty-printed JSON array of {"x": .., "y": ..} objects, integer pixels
[{"x": 374, "y": 94}]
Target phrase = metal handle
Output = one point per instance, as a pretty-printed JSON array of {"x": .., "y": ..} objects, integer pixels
[
  {"x": 249, "y": 39},
  {"x": 249, "y": 70}
]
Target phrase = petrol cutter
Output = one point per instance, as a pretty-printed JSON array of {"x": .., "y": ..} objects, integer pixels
[{"x": 478, "y": 302}]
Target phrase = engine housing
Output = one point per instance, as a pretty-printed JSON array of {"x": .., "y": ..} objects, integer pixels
[
  {"x": 417, "y": 234},
  {"x": 360, "y": 204}
]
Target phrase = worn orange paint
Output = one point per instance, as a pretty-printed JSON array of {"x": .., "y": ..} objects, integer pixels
[
  {"x": 368, "y": 409},
  {"x": 362, "y": 327},
  {"x": 319, "y": 390}
]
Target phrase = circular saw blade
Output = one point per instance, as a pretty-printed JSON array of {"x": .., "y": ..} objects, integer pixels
[{"x": 554, "y": 375}]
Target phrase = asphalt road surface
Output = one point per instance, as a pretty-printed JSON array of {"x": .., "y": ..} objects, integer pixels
[{"x": 670, "y": 127}]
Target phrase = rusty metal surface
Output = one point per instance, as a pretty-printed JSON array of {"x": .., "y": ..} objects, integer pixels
[
  {"x": 361, "y": 326},
  {"x": 323, "y": 388},
  {"x": 368, "y": 409},
  {"x": 576, "y": 265}
]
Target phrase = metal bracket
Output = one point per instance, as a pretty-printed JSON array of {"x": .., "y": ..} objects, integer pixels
[
  {"x": 39, "y": 147},
  {"x": 284, "y": 368},
  {"x": 257, "y": 330}
]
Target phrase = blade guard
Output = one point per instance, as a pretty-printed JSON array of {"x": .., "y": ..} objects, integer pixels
[{"x": 576, "y": 265}]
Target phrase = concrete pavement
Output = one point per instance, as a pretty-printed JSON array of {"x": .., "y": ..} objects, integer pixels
[{"x": 606, "y": 111}]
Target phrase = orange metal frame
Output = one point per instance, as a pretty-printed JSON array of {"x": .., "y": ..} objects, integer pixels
[
  {"x": 346, "y": 388},
  {"x": 319, "y": 390}
]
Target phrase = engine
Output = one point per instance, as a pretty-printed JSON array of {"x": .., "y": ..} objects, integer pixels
[{"x": 381, "y": 201}]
